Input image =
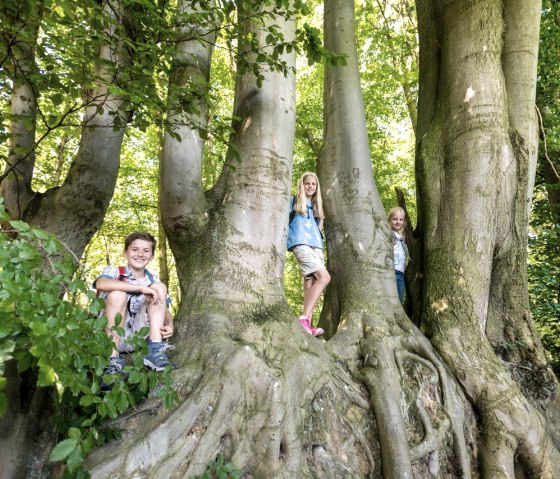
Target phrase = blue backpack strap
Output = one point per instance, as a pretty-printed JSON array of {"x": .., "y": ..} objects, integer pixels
[
  {"x": 150, "y": 276},
  {"x": 120, "y": 277},
  {"x": 292, "y": 210}
]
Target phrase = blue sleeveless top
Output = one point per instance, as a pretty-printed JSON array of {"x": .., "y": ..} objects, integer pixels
[{"x": 304, "y": 229}]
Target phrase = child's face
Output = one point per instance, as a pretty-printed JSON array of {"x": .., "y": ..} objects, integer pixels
[
  {"x": 397, "y": 221},
  {"x": 139, "y": 254},
  {"x": 310, "y": 186}
]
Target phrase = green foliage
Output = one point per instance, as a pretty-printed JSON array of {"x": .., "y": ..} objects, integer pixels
[
  {"x": 544, "y": 238},
  {"x": 544, "y": 275},
  {"x": 219, "y": 469},
  {"x": 43, "y": 328}
]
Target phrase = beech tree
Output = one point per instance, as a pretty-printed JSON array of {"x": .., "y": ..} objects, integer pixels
[
  {"x": 474, "y": 395},
  {"x": 469, "y": 392}
]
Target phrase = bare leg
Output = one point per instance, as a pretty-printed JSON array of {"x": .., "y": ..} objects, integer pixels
[
  {"x": 156, "y": 313},
  {"x": 312, "y": 290},
  {"x": 115, "y": 302}
]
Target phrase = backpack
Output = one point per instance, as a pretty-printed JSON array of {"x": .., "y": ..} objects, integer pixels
[{"x": 293, "y": 212}]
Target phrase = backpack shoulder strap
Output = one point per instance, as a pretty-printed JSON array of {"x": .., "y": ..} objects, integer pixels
[
  {"x": 150, "y": 276},
  {"x": 122, "y": 273},
  {"x": 292, "y": 210}
]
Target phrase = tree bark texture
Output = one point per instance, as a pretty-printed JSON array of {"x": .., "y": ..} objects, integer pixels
[
  {"x": 476, "y": 151},
  {"x": 15, "y": 187}
]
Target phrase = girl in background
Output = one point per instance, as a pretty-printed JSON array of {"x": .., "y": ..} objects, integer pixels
[
  {"x": 306, "y": 242},
  {"x": 397, "y": 220}
]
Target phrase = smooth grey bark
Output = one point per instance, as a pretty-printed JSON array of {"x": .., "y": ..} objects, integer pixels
[
  {"x": 476, "y": 148},
  {"x": 374, "y": 336},
  {"x": 181, "y": 190},
  {"x": 227, "y": 215},
  {"x": 15, "y": 187}
]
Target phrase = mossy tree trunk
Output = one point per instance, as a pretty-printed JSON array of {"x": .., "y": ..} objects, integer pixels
[{"x": 476, "y": 154}]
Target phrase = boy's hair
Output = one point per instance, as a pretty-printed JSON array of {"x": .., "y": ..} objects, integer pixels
[
  {"x": 140, "y": 235},
  {"x": 300, "y": 199},
  {"x": 394, "y": 211}
]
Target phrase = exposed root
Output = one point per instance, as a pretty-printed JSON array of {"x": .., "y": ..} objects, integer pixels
[{"x": 249, "y": 404}]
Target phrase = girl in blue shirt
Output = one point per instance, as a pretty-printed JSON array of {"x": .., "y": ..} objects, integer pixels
[{"x": 306, "y": 242}]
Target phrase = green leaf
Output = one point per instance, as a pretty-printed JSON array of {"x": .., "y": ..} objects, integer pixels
[
  {"x": 87, "y": 400},
  {"x": 74, "y": 433},
  {"x": 20, "y": 225},
  {"x": 46, "y": 376},
  {"x": 63, "y": 449},
  {"x": 75, "y": 458}
]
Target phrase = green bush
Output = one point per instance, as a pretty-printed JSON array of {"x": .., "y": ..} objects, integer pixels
[{"x": 50, "y": 322}]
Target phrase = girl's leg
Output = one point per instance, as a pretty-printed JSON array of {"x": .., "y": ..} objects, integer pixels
[
  {"x": 115, "y": 302},
  {"x": 400, "y": 284},
  {"x": 312, "y": 290}
]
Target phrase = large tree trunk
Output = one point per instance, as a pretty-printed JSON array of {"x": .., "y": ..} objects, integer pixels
[{"x": 475, "y": 164}]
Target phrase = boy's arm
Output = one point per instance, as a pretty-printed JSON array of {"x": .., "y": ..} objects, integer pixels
[{"x": 107, "y": 284}]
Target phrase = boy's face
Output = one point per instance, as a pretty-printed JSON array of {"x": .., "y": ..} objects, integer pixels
[{"x": 139, "y": 254}]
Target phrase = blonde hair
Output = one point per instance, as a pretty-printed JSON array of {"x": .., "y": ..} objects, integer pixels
[
  {"x": 394, "y": 211},
  {"x": 301, "y": 198}
]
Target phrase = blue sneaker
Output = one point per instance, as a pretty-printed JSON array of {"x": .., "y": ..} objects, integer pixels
[
  {"x": 115, "y": 366},
  {"x": 156, "y": 359}
]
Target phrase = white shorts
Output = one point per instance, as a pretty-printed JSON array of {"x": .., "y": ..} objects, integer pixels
[
  {"x": 309, "y": 259},
  {"x": 131, "y": 325}
]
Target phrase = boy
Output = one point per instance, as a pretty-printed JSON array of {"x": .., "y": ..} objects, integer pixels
[{"x": 141, "y": 299}]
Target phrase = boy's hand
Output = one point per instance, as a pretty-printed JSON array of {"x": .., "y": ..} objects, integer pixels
[
  {"x": 153, "y": 296},
  {"x": 166, "y": 331}
]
